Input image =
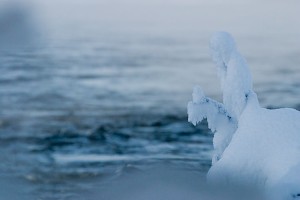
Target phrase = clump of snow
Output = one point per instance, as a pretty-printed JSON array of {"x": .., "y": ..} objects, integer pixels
[
  {"x": 253, "y": 145},
  {"x": 233, "y": 71},
  {"x": 219, "y": 120}
]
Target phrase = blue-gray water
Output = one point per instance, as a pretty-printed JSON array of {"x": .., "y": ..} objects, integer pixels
[{"x": 90, "y": 90}]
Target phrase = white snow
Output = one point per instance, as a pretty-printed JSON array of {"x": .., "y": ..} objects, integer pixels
[
  {"x": 219, "y": 121},
  {"x": 253, "y": 145},
  {"x": 233, "y": 71}
]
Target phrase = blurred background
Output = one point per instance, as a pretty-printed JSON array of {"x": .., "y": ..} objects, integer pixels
[{"x": 92, "y": 90}]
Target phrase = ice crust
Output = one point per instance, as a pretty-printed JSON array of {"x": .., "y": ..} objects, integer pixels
[{"x": 252, "y": 145}]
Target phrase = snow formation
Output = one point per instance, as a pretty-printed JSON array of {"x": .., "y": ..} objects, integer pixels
[{"x": 253, "y": 145}]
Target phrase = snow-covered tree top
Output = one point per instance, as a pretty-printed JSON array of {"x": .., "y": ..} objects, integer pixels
[
  {"x": 236, "y": 80},
  {"x": 222, "y": 45},
  {"x": 252, "y": 145}
]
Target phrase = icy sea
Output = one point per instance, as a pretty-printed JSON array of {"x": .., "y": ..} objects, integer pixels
[{"x": 94, "y": 91}]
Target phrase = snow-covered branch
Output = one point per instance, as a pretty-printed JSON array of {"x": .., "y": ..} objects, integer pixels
[
  {"x": 219, "y": 121},
  {"x": 203, "y": 107},
  {"x": 233, "y": 70}
]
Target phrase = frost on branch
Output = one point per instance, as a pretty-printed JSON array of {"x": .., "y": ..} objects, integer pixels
[{"x": 219, "y": 120}]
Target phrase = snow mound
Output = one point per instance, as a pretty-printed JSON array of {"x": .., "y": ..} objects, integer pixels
[{"x": 253, "y": 145}]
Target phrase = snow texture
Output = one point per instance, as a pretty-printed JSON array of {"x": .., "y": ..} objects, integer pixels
[
  {"x": 253, "y": 145},
  {"x": 219, "y": 121}
]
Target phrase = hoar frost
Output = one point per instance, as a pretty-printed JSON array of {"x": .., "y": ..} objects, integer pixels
[{"x": 252, "y": 145}]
